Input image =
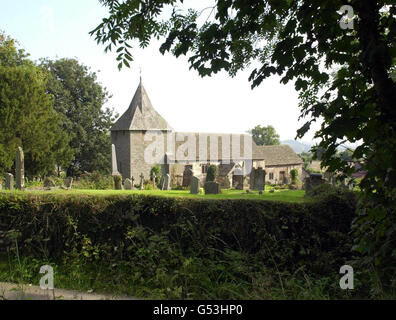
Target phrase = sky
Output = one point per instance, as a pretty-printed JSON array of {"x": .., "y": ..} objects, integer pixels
[{"x": 218, "y": 104}]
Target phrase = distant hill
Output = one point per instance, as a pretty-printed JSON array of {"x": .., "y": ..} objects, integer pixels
[{"x": 297, "y": 146}]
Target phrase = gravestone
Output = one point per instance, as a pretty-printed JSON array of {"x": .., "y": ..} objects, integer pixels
[
  {"x": 20, "y": 169},
  {"x": 9, "y": 181},
  {"x": 257, "y": 179},
  {"x": 195, "y": 185},
  {"x": 128, "y": 184},
  {"x": 212, "y": 187},
  {"x": 141, "y": 181},
  {"x": 69, "y": 182},
  {"x": 114, "y": 168},
  {"x": 153, "y": 180},
  {"x": 313, "y": 180},
  {"x": 1, "y": 187},
  {"x": 166, "y": 182},
  {"x": 239, "y": 185}
]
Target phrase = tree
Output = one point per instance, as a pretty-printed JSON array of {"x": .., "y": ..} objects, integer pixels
[
  {"x": 212, "y": 173},
  {"x": 294, "y": 175},
  {"x": 79, "y": 99},
  {"x": 346, "y": 155},
  {"x": 27, "y": 117},
  {"x": 343, "y": 76},
  {"x": 307, "y": 159},
  {"x": 265, "y": 136}
]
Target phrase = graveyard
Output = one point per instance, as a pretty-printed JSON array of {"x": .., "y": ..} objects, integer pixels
[{"x": 261, "y": 166}]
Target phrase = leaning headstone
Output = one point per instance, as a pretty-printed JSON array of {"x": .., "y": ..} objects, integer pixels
[
  {"x": 166, "y": 182},
  {"x": 9, "y": 181},
  {"x": 20, "y": 169},
  {"x": 212, "y": 187},
  {"x": 128, "y": 184},
  {"x": 195, "y": 185},
  {"x": 69, "y": 182},
  {"x": 141, "y": 181}
]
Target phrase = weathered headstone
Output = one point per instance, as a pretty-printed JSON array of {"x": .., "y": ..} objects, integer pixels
[
  {"x": 239, "y": 186},
  {"x": 212, "y": 187},
  {"x": 313, "y": 180},
  {"x": 128, "y": 184},
  {"x": 9, "y": 181},
  {"x": 195, "y": 185},
  {"x": 141, "y": 181},
  {"x": 257, "y": 179},
  {"x": 153, "y": 180},
  {"x": 69, "y": 182},
  {"x": 114, "y": 168},
  {"x": 20, "y": 169},
  {"x": 166, "y": 180}
]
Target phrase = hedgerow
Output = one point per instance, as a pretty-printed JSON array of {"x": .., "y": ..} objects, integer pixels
[{"x": 288, "y": 236}]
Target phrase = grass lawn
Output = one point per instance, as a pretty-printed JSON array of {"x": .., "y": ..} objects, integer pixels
[{"x": 279, "y": 195}]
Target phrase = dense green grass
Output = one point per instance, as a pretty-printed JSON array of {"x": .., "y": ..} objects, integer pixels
[
  {"x": 281, "y": 195},
  {"x": 229, "y": 277}
]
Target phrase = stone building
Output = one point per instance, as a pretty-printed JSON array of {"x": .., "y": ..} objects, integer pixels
[{"x": 143, "y": 138}]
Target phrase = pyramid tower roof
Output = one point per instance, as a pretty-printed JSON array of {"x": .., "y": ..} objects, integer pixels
[{"x": 141, "y": 115}]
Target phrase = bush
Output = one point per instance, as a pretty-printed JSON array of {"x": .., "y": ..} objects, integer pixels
[
  {"x": 294, "y": 175},
  {"x": 325, "y": 190},
  {"x": 212, "y": 173},
  {"x": 94, "y": 180},
  {"x": 157, "y": 171},
  {"x": 50, "y": 182},
  {"x": 313, "y": 235}
]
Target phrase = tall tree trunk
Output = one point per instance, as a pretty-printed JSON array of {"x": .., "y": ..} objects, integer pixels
[{"x": 375, "y": 56}]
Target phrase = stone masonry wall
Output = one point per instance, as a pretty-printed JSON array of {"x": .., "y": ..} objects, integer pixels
[{"x": 121, "y": 141}]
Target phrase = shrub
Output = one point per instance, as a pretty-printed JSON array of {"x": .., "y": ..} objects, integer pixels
[
  {"x": 289, "y": 235},
  {"x": 117, "y": 182},
  {"x": 94, "y": 180},
  {"x": 157, "y": 171},
  {"x": 294, "y": 175},
  {"x": 325, "y": 190},
  {"x": 148, "y": 186},
  {"x": 49, "y": 182},
  {"x": 212, "y": 173}
]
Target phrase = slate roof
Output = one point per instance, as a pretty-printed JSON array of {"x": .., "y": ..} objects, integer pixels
[
  {"x": 276, "y": 155},
  {"x": 141, "y": 115}
]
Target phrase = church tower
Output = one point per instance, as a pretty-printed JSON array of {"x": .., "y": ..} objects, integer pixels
[{"x": 128, "y": 132}]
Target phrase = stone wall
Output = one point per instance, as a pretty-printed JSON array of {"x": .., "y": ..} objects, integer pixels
[
  {"x": 121, "y": 141},
  {"x": 276, "y": 170}
]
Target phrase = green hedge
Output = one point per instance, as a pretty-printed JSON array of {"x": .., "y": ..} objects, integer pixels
[{"x": 313, "y": 235}]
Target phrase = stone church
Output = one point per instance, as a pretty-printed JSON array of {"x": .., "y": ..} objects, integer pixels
[{"x": 143, "y": 138}]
